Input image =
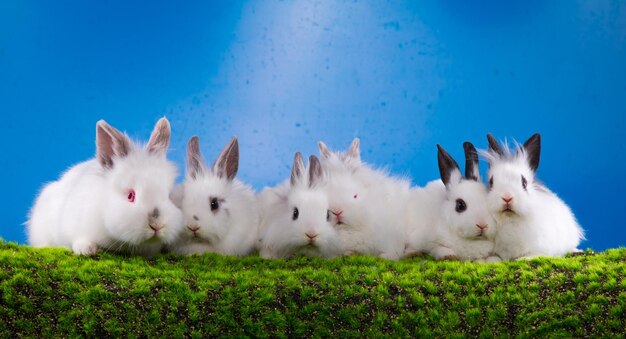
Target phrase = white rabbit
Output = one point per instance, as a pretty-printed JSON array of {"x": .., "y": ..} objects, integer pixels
[
  {"x": 366, "y": 204},
  {"x": 295, "y": 216},
  {"x": 220, "y": 212},
  {"x": 118, "y": 201},
  {"x": 532, "y": 221},
  {"x": 463, "y": 228}
]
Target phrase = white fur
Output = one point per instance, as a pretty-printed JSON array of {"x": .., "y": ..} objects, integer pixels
[
  {"x": 87, "y": 208},
  {"x": 370, "y": 204},
  {"x": 541, "y": 224},
  {"x": 232, "y": 229},
  {"x": 436, "y": 228},
  {"x": 281, "y": 236}
]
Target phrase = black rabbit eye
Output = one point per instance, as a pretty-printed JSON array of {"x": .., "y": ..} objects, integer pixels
[
  {"x": 460, "y": 205},
  {"x": 215, "y": 204},
  {"x": 491, "y": 182},
  {"x": 524, "y": 183},
  {"x": 296, "y": 213},
  {"x": 327, "y": 215}
]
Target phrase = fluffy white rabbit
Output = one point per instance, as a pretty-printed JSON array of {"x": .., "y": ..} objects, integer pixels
[
  {"x": 532, "y": 221},
  {"x": 366, "y": 204},
  {"x": 295, "y": 216},
  {"x": 463, "y": 227},
  {"x": 220, "y": 211},
  {"x": 118, "y": 201}
]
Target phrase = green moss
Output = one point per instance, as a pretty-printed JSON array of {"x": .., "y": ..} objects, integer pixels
[{"x": 55, "y": 293}]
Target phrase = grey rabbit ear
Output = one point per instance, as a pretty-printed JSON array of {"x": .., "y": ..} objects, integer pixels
[
  {"x": 447, "y": 165},
  {"x": 324, "y": 150},
  {"x": 110, "y": 143},
  {"x": 160, "y": 137},
  {"x": 227, "y": 163},
  {"x": 297, "y": 170},
  {"x": 472, "y": 171},
  {"x": 315, "y": 170},
  {"x": 195, "y": 164},
  {"x": 354, "y": 151},
  {"x": 494, "y": 145},
  {"x": 532, "y": 147}
]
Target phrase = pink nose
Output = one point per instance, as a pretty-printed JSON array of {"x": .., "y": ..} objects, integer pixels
[
  {"x": 194, "y": 229},
  {"x": 311, "y": 235},
  {"x": 482, "y": 227},
  {"x": 337, "y": 214},
  {"x": 507, "y": 199}
]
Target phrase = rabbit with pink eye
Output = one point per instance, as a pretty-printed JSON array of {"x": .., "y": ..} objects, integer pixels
[
  {"x": 118, "y": 201},
  {"x": 366, "y": 204},
  {"x": 220, "y": 212},
  {"x": 532, "y": 221},
  {"x": 295, "y": 216},
  {"x": 464, "y": 228}
]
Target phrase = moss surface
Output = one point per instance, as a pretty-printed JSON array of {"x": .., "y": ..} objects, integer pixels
[{"x": 55, "y": 293}]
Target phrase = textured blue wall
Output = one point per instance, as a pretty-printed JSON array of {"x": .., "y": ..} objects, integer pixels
[{"x": 401, "y": 75}]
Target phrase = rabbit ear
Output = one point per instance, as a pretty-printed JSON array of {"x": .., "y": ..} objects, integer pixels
[
  {"x": 494, "y": 145},
  {"x": 324, "y": 150},
  {"x": 354, "y": 151},
  {"x": 109, "y": 143},
  {"x": 447, "y": 166},
  {"x": 472, "y": 172},
  {"x": 227, "y": 162},
  {"x": 532, "y": 147},
  {"x": 195, "y": 165},
  {"x": 315, "y": 171},
  {"x": 160, "y": 137},
  {"x": 297, "y": 171}
]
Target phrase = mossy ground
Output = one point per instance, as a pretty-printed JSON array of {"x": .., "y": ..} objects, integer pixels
[{"x": 52, "y": 292}]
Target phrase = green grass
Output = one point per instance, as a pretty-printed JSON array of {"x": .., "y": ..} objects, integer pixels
[{"x": 52, "y": 292}]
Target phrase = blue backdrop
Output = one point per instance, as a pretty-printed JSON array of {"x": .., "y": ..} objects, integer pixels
[{"x": 401, "y": 75}]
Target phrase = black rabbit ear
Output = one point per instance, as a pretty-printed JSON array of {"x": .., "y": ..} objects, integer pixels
[
  {"x": 195, "y": 164},
  {"x": 298, "y": 169},
  {"x": 447, "y": 165},
  {"x": 532, "y": 147},
  {"x": 494, "y": 145},
  {"x": 227, "y": 163},
  {"x": 315, "y": 171},
  {"x": 472, "y": 171},
  {"x": 110, "y": 143}
]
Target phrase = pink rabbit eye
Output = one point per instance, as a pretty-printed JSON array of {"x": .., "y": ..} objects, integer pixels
[{"x": 131, "y": 195}]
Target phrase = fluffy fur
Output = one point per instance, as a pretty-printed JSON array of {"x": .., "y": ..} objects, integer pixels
[
  {"x": 220, "y": 212},
  {"x": 88, "y": 208},
  {"x": 366, "y": 204},
  {"x": 532, "y": 220},
  {"x": 449, "y": 217},
  {"x": 295, "y": 215}
]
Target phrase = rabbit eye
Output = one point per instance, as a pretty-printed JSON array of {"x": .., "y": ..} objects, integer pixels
[
  {"x": 215, "y": 204},
  {"x": 131, "y": 195},
  {"x": 524, "y": 183},
  {"x": 461, "y": 206},
  {"x": 355, "y": 196},
  {"x": 491, "y": 182},
  {"x": 327, "y": 215},
  {"x": 296, "y": 213}
]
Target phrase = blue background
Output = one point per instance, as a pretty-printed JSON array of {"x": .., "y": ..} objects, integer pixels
[{"x": 401, "y": 75}]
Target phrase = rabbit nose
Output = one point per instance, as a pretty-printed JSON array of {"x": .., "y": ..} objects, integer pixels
[
  {"x": 311, "y": 235},
  {"x": 336, "y": 213},
  {"x": 155, "y": 227},
  {"x": 193, "y": 228},
  {"x": 482, "y": 227},
  {"x": 507, "y": 199}
]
